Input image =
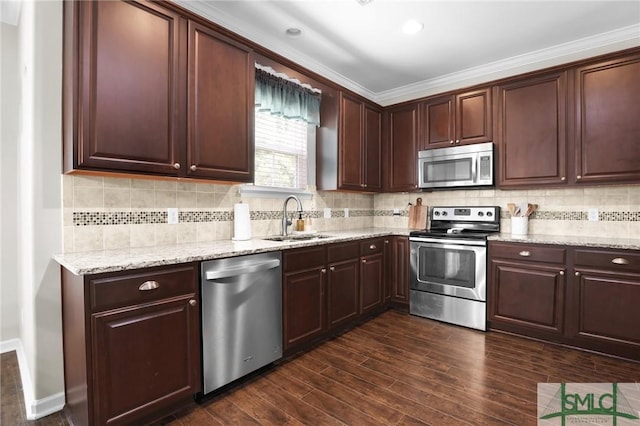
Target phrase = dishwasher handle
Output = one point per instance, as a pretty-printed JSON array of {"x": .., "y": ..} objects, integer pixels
[{"x": 242, "y": 269}]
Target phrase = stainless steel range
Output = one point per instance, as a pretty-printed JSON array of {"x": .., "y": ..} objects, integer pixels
[{"x": 448, "y": 278}]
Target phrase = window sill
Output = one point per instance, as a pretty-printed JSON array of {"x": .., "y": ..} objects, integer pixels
[{"x": 252, "y": 191}]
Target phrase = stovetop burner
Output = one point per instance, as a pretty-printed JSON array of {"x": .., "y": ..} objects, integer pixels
[{"x": 461, "y": 222}]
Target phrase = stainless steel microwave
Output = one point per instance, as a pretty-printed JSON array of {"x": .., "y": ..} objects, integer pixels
[{"x": 457, "y": 166}]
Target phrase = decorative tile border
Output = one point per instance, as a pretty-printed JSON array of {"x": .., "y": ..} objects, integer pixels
[
  {"x": 151, "y": 217},
  {"x": 577, "y": 215}
]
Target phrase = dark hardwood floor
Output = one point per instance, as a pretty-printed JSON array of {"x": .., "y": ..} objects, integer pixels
[{"x": 399, "y": 369}]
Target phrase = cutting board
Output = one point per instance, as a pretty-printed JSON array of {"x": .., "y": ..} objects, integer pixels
[{"x": 418, "y": 215}]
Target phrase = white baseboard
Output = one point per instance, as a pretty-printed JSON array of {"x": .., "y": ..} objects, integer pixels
[{"x": 36, "y": 409}]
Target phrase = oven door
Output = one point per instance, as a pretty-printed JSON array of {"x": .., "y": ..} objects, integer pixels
[{"x": 449, "y": 267}]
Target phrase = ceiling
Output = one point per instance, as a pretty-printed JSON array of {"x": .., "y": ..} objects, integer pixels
[{"x": 463, "y": 43}]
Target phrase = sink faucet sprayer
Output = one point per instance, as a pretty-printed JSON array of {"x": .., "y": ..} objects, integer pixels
[{"x": 286, "y": 222}]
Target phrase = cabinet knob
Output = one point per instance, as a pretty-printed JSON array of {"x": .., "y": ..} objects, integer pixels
[
  {"x": 176, "y": 166},
  {"x": 193, "y": 302},
  {"x": 148, "y": 285},
  {"x": 323, "y": 270},
  {"x": 333, "y": 268},
  {"x": 578, "y": 177},
  {"x": 577, "y": 274},
  {"x": 563, "y": 178},
  {"x": 364, "y": 260},
  {"x": 386, "y": 241},
  {"x": 451, "y": 142},
  {"x": 372, "y": 247},
  {"x": 525, "y": 253},
  {"x": 193, "y": 168},
  {"x": 620, "y": 261},
  {"x": 561, "y": 272},
  {"x": 457, "y": 141}
]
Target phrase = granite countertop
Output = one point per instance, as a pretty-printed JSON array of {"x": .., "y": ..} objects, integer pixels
[
  {"x": 95, "y": 262},
  {"x": 571, "y": 240}
]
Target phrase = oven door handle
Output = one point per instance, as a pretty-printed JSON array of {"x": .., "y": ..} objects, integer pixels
[{"x": 449, "y": 241}]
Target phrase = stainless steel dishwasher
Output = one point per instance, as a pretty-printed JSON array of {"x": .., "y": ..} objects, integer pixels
[{"x": 241, "y": 316}]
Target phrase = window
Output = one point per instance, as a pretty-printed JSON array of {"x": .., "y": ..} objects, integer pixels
[
  {"x": 281, "y": 151},
  {"x": 285, "y": 118}
]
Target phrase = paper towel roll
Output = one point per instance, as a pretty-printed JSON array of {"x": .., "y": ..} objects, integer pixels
[{"x": 241, "y": 222}]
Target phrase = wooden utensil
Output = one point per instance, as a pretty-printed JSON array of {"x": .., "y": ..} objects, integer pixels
[{"x": 418, "y": 215}]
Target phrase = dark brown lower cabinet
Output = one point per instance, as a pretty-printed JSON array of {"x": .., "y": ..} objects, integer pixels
[
  {"x": 605, "y": 302},
  {"x": 371, "y": 275},
  {"x": 131, "y": 344},
  {"x": 581, "y": 297},
  {"x": 343, "y": 284},
  {"x": 398, "y": 271},
  {"x": 303, "y": 292}
]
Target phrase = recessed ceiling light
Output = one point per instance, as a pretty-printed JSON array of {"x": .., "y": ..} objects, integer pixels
[
  {"x": 412, "y": 27},
  {"x": 293, "y": 32}
]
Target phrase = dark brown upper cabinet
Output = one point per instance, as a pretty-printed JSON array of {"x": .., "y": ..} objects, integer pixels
[
  {"x": 221, "y": 115},
  {"x": 131, "y": 68},
  {"x": 607, "y": 128},
  {"x": 459, "y": 119},
  {"x": 532, "y": 137},
  {"x": 358, "y": 146},
  {"x": 401, "y": 148}
]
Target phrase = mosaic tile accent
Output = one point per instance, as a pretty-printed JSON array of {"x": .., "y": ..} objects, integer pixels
[{"x": 150, "y": 217}]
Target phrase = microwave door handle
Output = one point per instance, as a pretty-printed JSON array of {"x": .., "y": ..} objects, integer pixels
[{"x": 474, "y": 168}]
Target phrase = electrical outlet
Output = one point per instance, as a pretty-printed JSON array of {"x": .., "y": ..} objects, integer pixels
[
  {"x": 396, "y": 212},
  {"x": 593, "y": 215},
  {"x": 172, "y": 216},
  {"x": 346, "y": 212},
  {"x": 327, "y": 213}
]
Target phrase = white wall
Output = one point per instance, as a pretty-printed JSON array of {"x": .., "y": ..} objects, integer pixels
[
  {"x": 32, "y": 232},
  {"x": 9, "y": 100}
]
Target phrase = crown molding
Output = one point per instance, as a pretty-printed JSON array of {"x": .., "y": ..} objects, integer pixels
[{"x": 611, "y": 41}]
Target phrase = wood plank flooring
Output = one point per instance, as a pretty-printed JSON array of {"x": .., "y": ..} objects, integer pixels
[{"x": 399, "y": 369}]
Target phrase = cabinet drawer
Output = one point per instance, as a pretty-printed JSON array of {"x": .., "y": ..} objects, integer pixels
[
  {"x": 113, "y": 290},
  {"x": 527, "y": 252},
  {"x": 616, "y": 260},
  {"x": 343, "y": 251},
  {"x": 372, "y": 246},
  {"x": 303, "y": 258}
]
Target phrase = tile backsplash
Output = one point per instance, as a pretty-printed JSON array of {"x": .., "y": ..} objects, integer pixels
[{"x": 107, "y": 212}]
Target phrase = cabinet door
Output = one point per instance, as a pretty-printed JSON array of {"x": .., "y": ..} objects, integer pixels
[
  {"x": 372, "y": 149},
  {"x": 304, "y": 306},
  {"x": 343, "y": 292},
  {"x": 474, "y": 123},
  {"x": 438, "y": 123},
  {"x": 221, "y": 112},
  {"x": 607, "y": 129},
  {"x": 402, "y": 152},
  {"x": 371, "y": 282},
  {"x": 604, "y": 315},
  {"x": 526, "y": 297},
  {"x": 130, "y": 83},
  {"x": 351, "y": 143},
  {"x": 532, "y": 131},
  {"x": 145, "y": 358},
  {"x": 399, "y": 269}
]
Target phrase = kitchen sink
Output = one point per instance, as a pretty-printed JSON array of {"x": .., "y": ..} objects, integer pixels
[{"x": 299, "y": 237}]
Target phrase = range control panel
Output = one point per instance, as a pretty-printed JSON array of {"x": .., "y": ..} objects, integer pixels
[{"x": 466, "y": 214}]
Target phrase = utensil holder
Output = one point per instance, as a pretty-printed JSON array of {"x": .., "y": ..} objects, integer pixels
[{"x": 519, "y": 225}]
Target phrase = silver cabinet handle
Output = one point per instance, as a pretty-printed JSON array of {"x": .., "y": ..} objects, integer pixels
[
  {"x": 148, "y": 285},
  {"x": 451, "y": 142},
  {"x": 364, "y": 260},
  {"x": 457, "y": 141},
  {"x": 333, "y": 268},
  {"x": 577, "y": 274},
  {"x": 561, "y": 272},
  {"x": 372, "y": 247},
  {"x": 578, "y": 177},
  {"x": 620, "y": 261},
  {"x": 193, "y": 302},
  {"x": 193, "y": 168},
  {"x": 525, "y": 253},
  {"x": 563, "y": 178},
  {"x": 386, "y": 241},
  {"x": 323, "y": 270},
  {"x": 176, "y": 166}
]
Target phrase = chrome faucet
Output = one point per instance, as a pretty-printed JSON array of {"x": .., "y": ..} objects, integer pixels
[{"x": 286, "y": 222}]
